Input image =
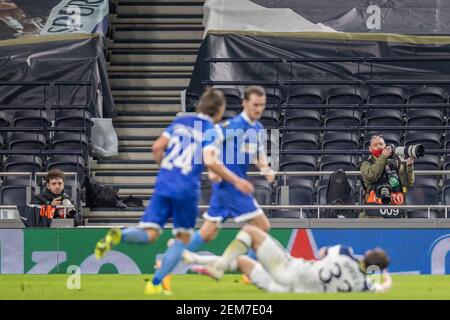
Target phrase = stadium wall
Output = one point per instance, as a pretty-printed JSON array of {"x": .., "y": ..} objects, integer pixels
[{"x": 60, "y": 251}]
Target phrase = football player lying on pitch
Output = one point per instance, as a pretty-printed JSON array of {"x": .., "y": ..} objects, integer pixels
[{"x": 337, "y": 269}]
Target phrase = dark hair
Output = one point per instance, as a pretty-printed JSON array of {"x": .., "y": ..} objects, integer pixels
[
  {"x": 377, "y": 257},
  {"x": 258, "y": 90},
  {"x": 54, "y": 174},
  {"x": 210, "y": 102}
]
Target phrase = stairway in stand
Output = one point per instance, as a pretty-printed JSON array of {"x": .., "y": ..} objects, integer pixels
[{"x": 151, "y": 54}]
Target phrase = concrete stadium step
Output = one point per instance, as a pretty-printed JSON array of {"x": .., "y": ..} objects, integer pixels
[
  {"x": 136, "y": 141},
  {"x": 148, "y": 105},
  {"x": 138, "y": 129},
  {"x": 154, "y": 24},
  {"x": 147, "y": 92},
  {"x": 120, "y": 165},
  {"x": 149, "y": 117},
  {"x": 148, "y": 80},
  {"x": 135, "y": 153},
  {"x": 137, "y": 177},
  {"x": 152, "y": 56},
  {"x": 161, "y": 45},
  {"x": 169, "y": 7},
  {"x": 160, "y": 67},
  {"x": 166, "y": 19},
  {"x": 169, "y": 34}
]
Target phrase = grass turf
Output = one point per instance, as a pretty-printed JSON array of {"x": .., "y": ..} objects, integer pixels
[{"x": 199, "y": 287}]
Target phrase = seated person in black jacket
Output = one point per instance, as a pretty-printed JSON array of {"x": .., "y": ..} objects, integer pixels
[{"x": 54, "y": 194}]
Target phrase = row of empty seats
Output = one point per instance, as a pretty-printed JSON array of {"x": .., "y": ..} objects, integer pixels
[
  {"x": 300, "y": 191},
  {"x": 348, "y": 95}
]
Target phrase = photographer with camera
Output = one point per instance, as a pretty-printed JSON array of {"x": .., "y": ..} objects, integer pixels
[
  {"x": 53, "y": 195},
  {"x": 387, "y": 174}
]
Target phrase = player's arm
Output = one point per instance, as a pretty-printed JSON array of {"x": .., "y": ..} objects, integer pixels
[
  {"x": 386, "y": 285},
  {"x": 211, "y": 161},
  {"x": 262, "y": 161},
  {"x": 159, "y": 147},
  {"x": 262, "y": 164}
]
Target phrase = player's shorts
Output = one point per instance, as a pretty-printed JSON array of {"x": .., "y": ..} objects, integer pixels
[
  {"x": 161, "y": 208},
  {"x": 226, "y": 203}
]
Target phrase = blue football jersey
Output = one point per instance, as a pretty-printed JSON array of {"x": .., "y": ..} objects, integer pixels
[
  {"x": 182, "y": 164},
  {"x": 243, "y": 141}
]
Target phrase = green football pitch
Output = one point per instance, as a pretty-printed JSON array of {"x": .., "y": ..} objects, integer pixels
[{"x": 198, "y": 287}]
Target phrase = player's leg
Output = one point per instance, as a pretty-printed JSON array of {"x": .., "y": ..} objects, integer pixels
[
  {"x": 153, "y": 219},
  {"x": 245, "y": 209},
  {"x": 270, "y": 254},
  {"x": 211, "y": 226},
  {"x": 258, "y": 275},
  {"x": 184, "y": 213}
]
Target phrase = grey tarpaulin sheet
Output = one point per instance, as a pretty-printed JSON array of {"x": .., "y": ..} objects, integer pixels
[{"x": 379, "y": 16}]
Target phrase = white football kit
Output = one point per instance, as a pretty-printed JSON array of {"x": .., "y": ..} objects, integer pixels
[{"x": 337, "y": 271}]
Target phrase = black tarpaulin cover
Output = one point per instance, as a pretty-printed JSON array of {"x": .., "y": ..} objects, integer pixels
[
  {"x": 56, "y": 58},
  {"x": 319, "y": 45}
]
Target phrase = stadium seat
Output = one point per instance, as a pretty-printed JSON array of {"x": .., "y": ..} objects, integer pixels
[
  {"x": 340, "y": 141},
  {"x": 343, "y": 118},
  {"x": 23, "y": 163},
  {"x": 384, "y": 117},
  {"x": 427, "y": 95},
  {"x": 74, "y": 119},
  {"x": 269, "y": 118},
  {"x": 446, "y": 165},
  {"x": 427, "y": 162},
  {"x": 68, "y": 163},
  {"x": 423, "y": 192},
  {"x": 305, "y": 95},
  {"x": 27, "y": 141},
  {"x": 30, "y": 119},
  {"x": 346, "y": 95},
  {"x": 298, "y": 163},
  {"x": 70, "y": 141},
  {"x": 14, "y": 192},
  {"x": 301, "y": 192},
  {"x": 263, "y": 191},
  {"x": 302, "y": 118},
  {"x": 274, "y": 96},
  {"x": 386, "y": 95},
  {"x": 430, "y": 140},
  {"x": 300, "y": 141},
  {"x": 424, "y": 117},
  {"x": 447, "y": 137},
  {"x": 336, "y": 162},
  {"x": 4, "y": 123},
  {"x": 232, "y": 96},
  {"x": 446, "y": 195}
]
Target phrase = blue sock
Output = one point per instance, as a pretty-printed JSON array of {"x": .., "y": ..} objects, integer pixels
[
  {"x": 252, "y": 254},
  {"x": 171, "y": 257},
  {"x": 196, "y": 242},
  {"x": 135, "y": 235}
]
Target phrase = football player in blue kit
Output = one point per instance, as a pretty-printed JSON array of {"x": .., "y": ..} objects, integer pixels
[
  {"x": 187, "y": 145},
  {"x": 243, "y": 144}
]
